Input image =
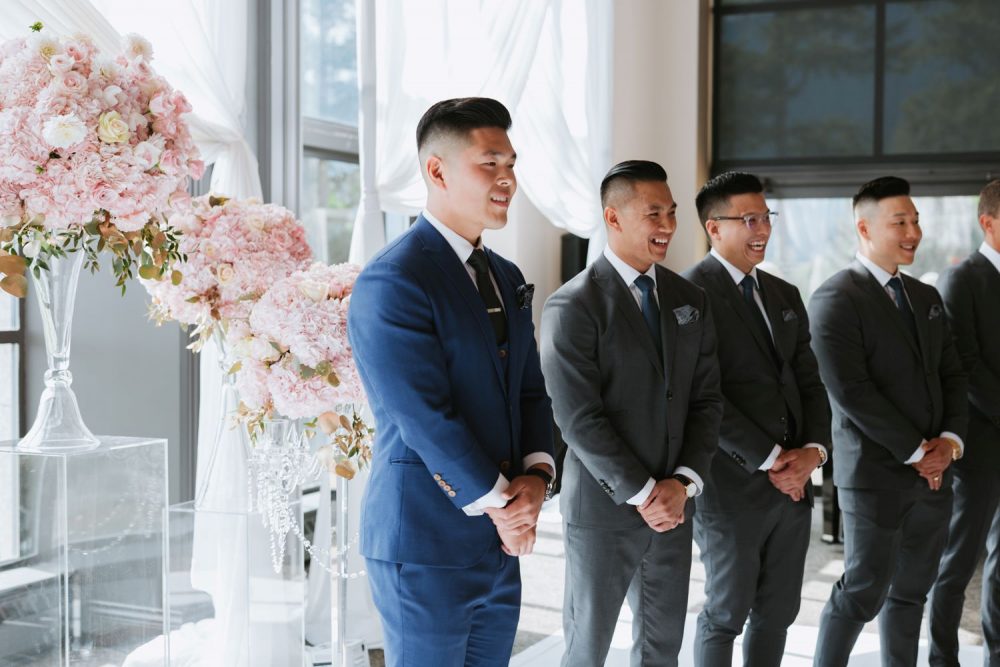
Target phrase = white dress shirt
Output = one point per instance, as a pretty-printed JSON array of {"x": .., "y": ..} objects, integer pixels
[
  {"x": 463, "y": 249},
  {"x": 883, "y": 277},
  {"x": 987, "y": 251},
  {"x": 737, "y": 277},
  {"x": 629, "y": 275}
]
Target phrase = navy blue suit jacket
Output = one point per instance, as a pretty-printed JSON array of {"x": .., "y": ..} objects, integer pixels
[{"x": 450, "y": 411}]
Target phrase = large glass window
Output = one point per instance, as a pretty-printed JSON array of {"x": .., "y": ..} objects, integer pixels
[
  {"x": 816, "y": 237},
  {"x": 331, "y": 190},
  {"x": 329, "y": 61},
  {"x": 796, "y": 84}
]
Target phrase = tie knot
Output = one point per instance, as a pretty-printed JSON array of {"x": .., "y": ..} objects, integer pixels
[
  {"x": 895, "y": 283},
  {"x": 645, "y": 284},
  {"x": 478, "y": 261},
  {"x": 748, "y": 283}
]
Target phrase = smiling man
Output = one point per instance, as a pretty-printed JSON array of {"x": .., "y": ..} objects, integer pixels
[
  {"x": 628, "y": 350},
  {"x": 442, "y": 333},
  {"x": 753, "y": 520},
  {"x": 898, "y": 393}
]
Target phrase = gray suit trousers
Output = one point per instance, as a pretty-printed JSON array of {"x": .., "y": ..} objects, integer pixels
[
  {"x": 603, "y": 567},
  {"x": 975, "y": 523},
  {"x": 893, "y": 542},
  {"x": 754, "y": 561}
]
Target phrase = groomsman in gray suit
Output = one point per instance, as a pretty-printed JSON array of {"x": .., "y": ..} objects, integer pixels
[
  {"x": 971, "y": 293},
  {"x": 754, "y": 518},
  {"x": 900, "y": 412},
  {"x": 629, "y": 357}
]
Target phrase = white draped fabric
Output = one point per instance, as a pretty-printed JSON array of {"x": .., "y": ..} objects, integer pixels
[{"x": 548, "y": 61}]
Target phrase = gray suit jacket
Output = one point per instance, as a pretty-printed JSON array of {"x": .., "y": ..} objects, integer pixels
[
  {"x": 888, "y": 391},
  {"x": 971, "y": 293},
  {"x": 623, "y": 415},
  {"x": 760, "y": 395}
]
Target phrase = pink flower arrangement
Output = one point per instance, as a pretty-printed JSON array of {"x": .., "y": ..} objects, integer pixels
[
  {"x": 85, "y": 135},
  {"x": 294, "y": 356},
  {"x": 235, "y": 250}
]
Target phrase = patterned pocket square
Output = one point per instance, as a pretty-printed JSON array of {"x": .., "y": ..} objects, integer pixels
[
  {"x": 686, "y": 315},
  {"x": 524, "y": 295},
  {"x": 788, "y": 315},
  {"x": 935, "y": 312}
]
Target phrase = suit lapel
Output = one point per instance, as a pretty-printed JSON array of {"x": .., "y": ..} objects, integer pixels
[
  {"x": 775, "y": 317},
  {"x": 867, "y": 282},
  {"x": 618, "y": 293},
  {"x": 455, "y": 275},
  {"x": 736, "y": 301},
  {"x": 668, "y": 321},
  {"x": 921, "y": 316}
]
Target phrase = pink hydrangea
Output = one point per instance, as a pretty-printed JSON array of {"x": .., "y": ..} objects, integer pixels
[
  {"x": 84, "y": 135},
  {"x": 236, "y": 250},
  {"x": 296, "y": 357}
]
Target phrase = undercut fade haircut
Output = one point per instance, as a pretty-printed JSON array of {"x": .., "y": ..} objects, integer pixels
[
  {"x": 624, "y": 174},
  {"x": 457, "y": 117},
  {"x": 881, "y": 188},
  {"x": 717, "y": 191},
  {"x": 989, "y": 199}
]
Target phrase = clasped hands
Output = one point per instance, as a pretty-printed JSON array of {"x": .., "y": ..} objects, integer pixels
[
  {"x": 516, "y": 521},
  {"x": 792, "y": 469},
  {"x": 664, "y": 508},
  {"x": 937, "y": 458}
]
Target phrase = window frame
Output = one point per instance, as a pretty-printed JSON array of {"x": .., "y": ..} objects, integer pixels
[
  {"x": 939, "y": 174},
  {"x": 19, "y": 338}
]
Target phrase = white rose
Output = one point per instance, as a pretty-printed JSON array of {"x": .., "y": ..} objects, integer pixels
[
  {"x": 107, "y": 67},
  {"x": 64, "y": 131},
  {"x": 111, "y": 128},
  {"x": 315, "y": 290},
  {"x": 137, "y": 46},
  {"x": 225, "y": 273},
  {"x": 262, "y": 350},
  {"x": 31, "y": 248},
  {"x": 45, "y": 46}
]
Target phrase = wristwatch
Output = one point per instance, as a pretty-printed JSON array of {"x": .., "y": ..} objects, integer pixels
[
  {"x": 822, "y": 457},
  {"x": 690, "y": 488},
  {"x": 542, "y": 474}
]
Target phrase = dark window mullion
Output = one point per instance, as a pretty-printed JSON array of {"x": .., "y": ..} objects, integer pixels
[{"x": 879, "y": 110}]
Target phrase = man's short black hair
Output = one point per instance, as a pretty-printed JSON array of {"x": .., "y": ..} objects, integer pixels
[
  {"x": 882, "y": 188},
  {"x": 989, "y": 199},
  {"x": 629, "y": 172},
  {"x": 460, "y": 116},
  {"x": 717, "y": 191}
]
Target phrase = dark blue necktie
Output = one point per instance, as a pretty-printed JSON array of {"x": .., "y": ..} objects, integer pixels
[
  {"x": 896, "y": 285},
  {"x": 650, "y": 311},
  {"x": 748, "y": 284}
]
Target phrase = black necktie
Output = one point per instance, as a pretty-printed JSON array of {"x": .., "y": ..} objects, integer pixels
[
  {"x": 748, "y": 284},
  {"x": 650, "y": 311},
  {"x": 896, "y": 285},
  {"x": 481, "y": 265}
]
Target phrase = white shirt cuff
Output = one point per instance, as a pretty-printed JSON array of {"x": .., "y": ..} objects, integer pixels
[
  {"x": 644, "y": 492},
  {"x": 952, "y": 436},
  {"x": 822, "y": 448},
  {"x": 692, "y": 475},
  {"x": 492, "y": 499},
  {"x": 539, "y": 457},
  {"x": 771, "y": 458},
  {"x": 916, "y": 456}
]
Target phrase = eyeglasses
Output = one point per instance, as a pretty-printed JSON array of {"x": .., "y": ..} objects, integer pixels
[{"x": 751, "y": 220}]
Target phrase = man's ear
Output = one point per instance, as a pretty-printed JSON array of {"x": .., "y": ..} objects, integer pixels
[
  {"x": 434, "y": 169},
  {"x": 712, "y": 229},
  {"x": 611, "y": 218},
  {"x": 862, "y": 226}
]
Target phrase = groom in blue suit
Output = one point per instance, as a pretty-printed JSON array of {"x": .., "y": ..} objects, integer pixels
[{"x": 442, "y": 333}]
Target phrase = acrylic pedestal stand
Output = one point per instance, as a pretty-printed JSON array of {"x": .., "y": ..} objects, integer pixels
[{"x": 82, "y": 546}]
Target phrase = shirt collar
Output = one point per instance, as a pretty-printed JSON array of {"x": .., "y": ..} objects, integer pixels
[
  {"x": 881, "y": 275},
  {"x": 461, "y": 246},
  {"x": 734, "y": 273},
  {"x": 627, "y": 273},
  {"x": 990, "y": 254}
]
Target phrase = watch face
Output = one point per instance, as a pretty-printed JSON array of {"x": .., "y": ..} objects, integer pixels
[{"x": 691, "y": 489}]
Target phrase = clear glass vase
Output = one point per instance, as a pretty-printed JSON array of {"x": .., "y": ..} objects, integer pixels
[
  {"x": 58, "y": 425},
  {"x": 224, "y": 478}
]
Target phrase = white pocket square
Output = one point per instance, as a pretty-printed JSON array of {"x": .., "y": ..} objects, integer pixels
[{"x": 686, "y": 315}]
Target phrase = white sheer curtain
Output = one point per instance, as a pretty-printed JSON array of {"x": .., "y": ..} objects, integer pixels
[{"x": 548, "y": 61}]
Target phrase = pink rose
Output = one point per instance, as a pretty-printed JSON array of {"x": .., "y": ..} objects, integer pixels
[
  {"x": 170, "y": 162},
  {"x": 106, "y": 197},
  {"x": 197, "y": 168},
  {"x": 161, "y": 105}
]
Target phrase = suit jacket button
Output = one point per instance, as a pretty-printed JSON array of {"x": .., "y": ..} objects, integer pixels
[
  {"x": 503, "y": 353},
  {"x": 782, "y": 420},
  {"x": 451, "y": 494},
  {"x": 446, "y": 487},
  {"x": 437, "y": 477},
  {"x": 670, "y": 395},
  {"x": 442, "y": 483},
  {"x": 504, "y": 466}
]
